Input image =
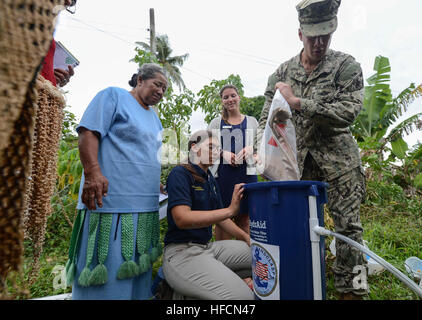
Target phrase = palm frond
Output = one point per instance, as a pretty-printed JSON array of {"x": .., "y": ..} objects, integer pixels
[
  {"x": 178, "y": 60},
  {"x": 408, "y": 96},
  {"x": 399, "y": 105},
  {"x": 416, "y": 152},
  {"x": 175, "y": 75},
  {"x": 164, "y": 57},
  {"x": 144, "y": 45},
  {"x": 406, "y": 127}
]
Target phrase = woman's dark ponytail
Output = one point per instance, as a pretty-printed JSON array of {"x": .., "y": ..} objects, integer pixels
[{"x": 134, "y": 81}]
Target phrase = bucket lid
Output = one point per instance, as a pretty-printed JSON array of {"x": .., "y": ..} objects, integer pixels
[{"x": 285, "y": 185}]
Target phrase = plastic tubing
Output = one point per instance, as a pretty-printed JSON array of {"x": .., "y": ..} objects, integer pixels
[
  {"x": 409, "y": 283},
  {"x": 315, "y": 242}
]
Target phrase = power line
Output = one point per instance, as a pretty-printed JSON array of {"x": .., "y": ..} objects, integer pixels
[
  {"x": 252, "y": 56},
  {"x": 112, "y": 25},
  {"x": 126, "y": 41},
  {"x": 244, "y": 56},
  {"x": 198, "y": 74},
  {"x": 242, "y": 53},
  {"x": 103, "y": 31},
  {"x": 80, "y": 27}
]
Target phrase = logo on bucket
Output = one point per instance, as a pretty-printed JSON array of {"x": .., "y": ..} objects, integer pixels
[
  {"x": 263, "y": 270},
  {"x": 258, "y": 224}
]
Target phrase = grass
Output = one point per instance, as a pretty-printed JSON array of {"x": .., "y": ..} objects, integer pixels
[{"x": 394, "y": 236}]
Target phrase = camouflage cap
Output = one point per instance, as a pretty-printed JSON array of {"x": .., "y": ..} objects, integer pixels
[{"x": 318, "y": 17}]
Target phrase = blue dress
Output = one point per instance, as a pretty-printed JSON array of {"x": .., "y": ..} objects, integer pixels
[
  {"x": 135, "y": 288},
  {"x": 233, "y": 140},
  {"x": 130, "y": 140}
]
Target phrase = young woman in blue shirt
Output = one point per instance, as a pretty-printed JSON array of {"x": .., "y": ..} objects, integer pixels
[{"x": 193, "y": 265}]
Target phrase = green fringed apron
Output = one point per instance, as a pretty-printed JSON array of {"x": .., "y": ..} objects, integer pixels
[{"x": 111, "y": 256}]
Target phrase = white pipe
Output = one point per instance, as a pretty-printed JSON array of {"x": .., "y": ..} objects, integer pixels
[
  {"x": 315, "y": 248},
  {"x": 409, "y": 283},
  {"x": 65, "y": 296}
]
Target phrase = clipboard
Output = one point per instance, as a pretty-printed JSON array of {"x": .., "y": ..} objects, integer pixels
[
  {"x": 163, "y": 200},
  {"x": 63, "y": 58}
]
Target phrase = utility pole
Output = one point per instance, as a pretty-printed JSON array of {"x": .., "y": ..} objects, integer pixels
[{"x": 152, "y": 31}]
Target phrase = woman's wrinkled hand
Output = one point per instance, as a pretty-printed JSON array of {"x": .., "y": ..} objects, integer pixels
[{"x": 94, "y": 189}]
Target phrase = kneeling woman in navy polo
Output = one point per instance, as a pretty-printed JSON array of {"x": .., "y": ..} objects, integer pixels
[{"x": 193, "y": 266}]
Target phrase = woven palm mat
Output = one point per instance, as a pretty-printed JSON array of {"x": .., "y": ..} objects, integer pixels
[
  {"x": 26, "y": 29},
  {"x": 43, "y": 175}
]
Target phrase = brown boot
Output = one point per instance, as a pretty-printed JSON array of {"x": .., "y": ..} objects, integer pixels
[{"x": 350, "y": 296}]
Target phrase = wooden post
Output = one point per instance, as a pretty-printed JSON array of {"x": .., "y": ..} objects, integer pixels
[{"x": 152, "y": 31}]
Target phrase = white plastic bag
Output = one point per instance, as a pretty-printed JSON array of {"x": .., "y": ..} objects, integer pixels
[{"x": 277, "y": 150}]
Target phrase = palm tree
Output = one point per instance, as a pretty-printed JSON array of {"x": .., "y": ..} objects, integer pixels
[
  {"x": 163, "y": 56},
  {"x": 381, "y": 111}
]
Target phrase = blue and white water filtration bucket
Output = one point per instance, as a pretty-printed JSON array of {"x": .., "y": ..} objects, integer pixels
[{"x": 287, "y": 258}]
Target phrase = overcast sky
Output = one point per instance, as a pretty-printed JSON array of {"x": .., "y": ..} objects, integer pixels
[{"x": 249, "y": 38}]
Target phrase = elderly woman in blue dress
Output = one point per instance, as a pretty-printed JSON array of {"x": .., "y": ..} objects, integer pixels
[{"x": 115, "y": 238}]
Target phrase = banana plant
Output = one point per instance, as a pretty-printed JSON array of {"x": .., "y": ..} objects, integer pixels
[{"x": 381, "y": 111}]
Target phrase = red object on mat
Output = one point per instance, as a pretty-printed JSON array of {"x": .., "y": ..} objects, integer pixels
[{"x": 47, "y": 70}]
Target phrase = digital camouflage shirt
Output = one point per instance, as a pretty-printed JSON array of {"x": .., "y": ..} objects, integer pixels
[{"x": 331, "y": 99}]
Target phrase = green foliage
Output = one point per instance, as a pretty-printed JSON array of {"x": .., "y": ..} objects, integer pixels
[
  {"x": 381, "y": 110},
  {"x": 174, "y": 112},
  {"x": 69, "y": 126},
  {"x": 252, "y": 106},
  {"x": 386, "y": 173},
  {"x": 175, "y": 109},
  {"x": 209, "y": 100},
  {"x": 418, "y": 181},
  {"x": 143, "y": 56},
  {"x": 399, "y": 147},
  {"x": 378, "y": 135},
  {"x": 69, "y": 170}
]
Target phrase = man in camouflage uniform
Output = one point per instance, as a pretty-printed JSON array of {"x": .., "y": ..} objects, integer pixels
[{"x": 325, "y": 91}]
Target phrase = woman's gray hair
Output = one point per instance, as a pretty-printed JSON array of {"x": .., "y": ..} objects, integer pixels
[{"x": 147, "y": 71}]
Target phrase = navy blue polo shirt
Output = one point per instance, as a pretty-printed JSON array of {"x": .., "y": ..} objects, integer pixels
[{"x": 182, "y": 189}]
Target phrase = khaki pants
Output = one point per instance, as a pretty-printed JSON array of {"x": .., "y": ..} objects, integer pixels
[{"x": 209, "y": 272}]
